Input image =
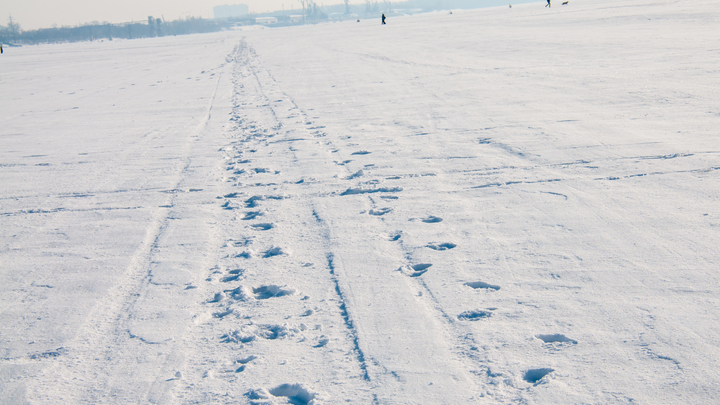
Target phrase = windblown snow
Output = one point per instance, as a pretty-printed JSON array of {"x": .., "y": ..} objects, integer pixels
[{"x": 505, "y": 205}]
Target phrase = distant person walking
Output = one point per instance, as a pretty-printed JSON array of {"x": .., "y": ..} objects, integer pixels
[
  {"x": 548, "y": 5},
  {"x": 383, "y": 17},
  {"x": 1, "y": 50}
]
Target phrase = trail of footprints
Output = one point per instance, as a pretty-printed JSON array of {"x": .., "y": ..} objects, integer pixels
[
  {"x": 235, "y": 298},
  {"x": 550, "y": 342},
  {"x": 253, "y": 315},
  {"x": 233, "y": 304}
]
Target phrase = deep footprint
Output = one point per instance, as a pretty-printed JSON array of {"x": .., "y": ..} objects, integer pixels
[
  {"x": 474, "y": 315},
  {"x": 556, "y": 338},
  {"x": 415, "y": 270},
  {"x": 432, "y": 219},
  {"x": 381, "y": 211},
  {"x": 534, "y": 375},
  {"x": 271, "y": 332},
  {"x": 275, "y": 251},
  {"x": 295, "y": 394},
  {"x": 252, "y": 202},
  {"x": 480, "y": 284},
  {"x": 272, "y": 291},
  {"x": 230, "y": 278},
  {"x": 251, "y": 215}
]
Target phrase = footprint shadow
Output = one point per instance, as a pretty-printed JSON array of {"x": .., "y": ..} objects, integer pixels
[
  {"x": 480, "y": 284},
  {"x": 474, "y": 315}
]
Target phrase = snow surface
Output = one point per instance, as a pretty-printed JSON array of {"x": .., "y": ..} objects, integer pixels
[{"x": 507, "y": 205}]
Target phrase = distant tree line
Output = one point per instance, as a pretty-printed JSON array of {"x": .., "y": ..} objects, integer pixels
[
  {"x": 12, "y": 33},
  {"x": 154, "y": 27}
]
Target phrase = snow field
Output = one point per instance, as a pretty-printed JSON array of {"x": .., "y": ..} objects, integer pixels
[{"x": 494, "y": 206}]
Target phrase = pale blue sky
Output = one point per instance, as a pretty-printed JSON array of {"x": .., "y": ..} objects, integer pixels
[{"x": 33, "y": 14}]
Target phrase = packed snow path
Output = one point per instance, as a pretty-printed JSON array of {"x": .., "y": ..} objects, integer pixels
[{"x": 511, "y": 205}]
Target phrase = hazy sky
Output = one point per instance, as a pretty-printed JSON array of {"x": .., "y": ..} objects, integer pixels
[{"x": 33, "y": 14}]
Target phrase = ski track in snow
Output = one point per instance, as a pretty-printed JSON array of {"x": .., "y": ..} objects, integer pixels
[{"x": 345, "y": 230}]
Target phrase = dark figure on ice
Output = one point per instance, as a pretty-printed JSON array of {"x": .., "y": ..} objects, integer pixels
[
  {"x": 383, "y": 17},
  {"x": 1, "y": 50},
  {"x": 548, "y": 5}
]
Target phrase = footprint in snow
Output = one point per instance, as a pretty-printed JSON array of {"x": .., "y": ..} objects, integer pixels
[
  {"x": 474, "y": 315},
  {"x": 415, "y": 270},
  {"x": 252, "y": 202},
  {"x": 274, "y": 251},
  {"x": 272, "y": 332},
  {"x": 322, "y": 341},
  {"x": 380, "y": 212},
  {"x": 556, "y": 338},
  {"x": 251, "y": 215},
  {"x": 428, "y": 220},
  {"x": 239, "y": 294},
  {"x": 262, "y": 227},
  {"x": 246, "y": 360},
  {"x": 272, "y": 291},
  {"x": 228, "y": 206},
  {"x": 361, "y": 152},
  {"x": 479, "y": 284},
  {"x": 230, "y": 278},
  {"x": 432, "y": 219},
  {"x": 533, "y": 376},
  {"x": 244, "y": 363},
  {"x": 216, "y": 298},
  {"x": 295, "y": 394},
  {"x": 243, "y": 255},
  {"x": 249, "y": 333},
  {"x": 441, "y": 246}
]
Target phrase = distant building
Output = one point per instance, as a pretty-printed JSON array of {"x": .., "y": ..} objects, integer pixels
[
  {"x": 230, "y": 11},
  {"x": 266, "y": 20}
]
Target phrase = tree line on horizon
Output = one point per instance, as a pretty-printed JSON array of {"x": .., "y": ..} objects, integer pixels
[
  {"x": 13, "y": 34},
  {"x": 154, "y": 27}
]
